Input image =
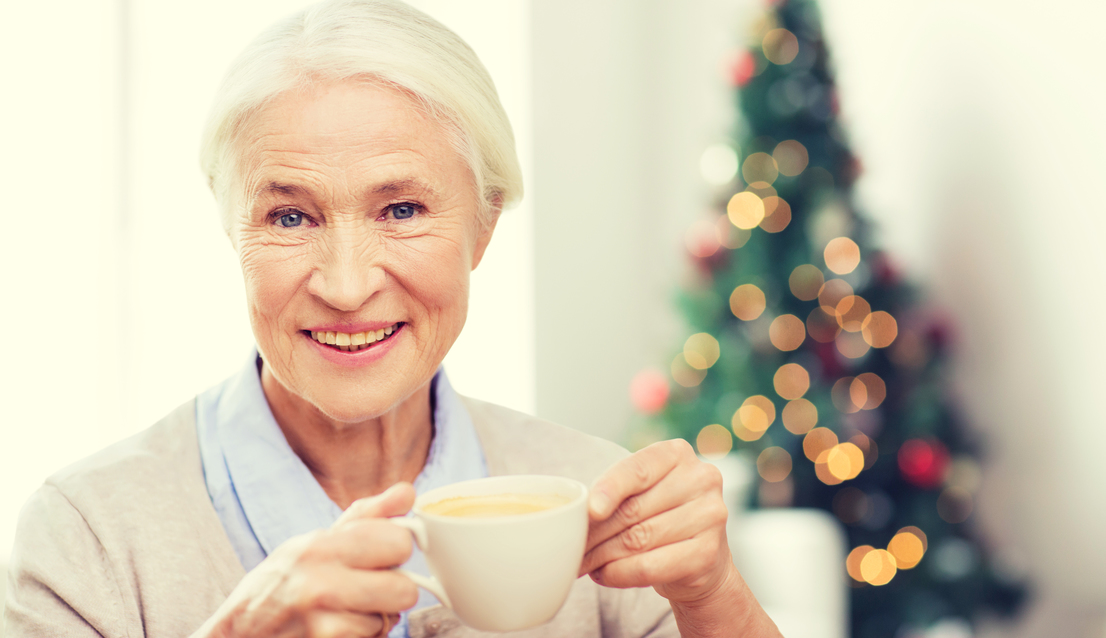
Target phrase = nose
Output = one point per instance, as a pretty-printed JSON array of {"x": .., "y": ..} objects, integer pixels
[{"x": 349, "y": 271}]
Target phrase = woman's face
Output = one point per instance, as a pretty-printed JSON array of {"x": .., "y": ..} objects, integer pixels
[{"x": 354, "y": 216}]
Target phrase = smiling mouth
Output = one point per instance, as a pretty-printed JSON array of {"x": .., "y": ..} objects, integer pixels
[{"x": 355, "y": 341}]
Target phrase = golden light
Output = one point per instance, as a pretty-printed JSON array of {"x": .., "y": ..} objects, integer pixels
[
  {"x": 745, "y": 210},
  {"x": 780, "y": 46},
  {"x": 842, "y": 396},
  {"x": 822, "y": 326},
  {"x": 852, "y": 345},
  {"x": 800, "y": 416},
  {"x": 763, "y": 190},
  {"x": 744, "y": 433},
  {"x": 777, "y": 214},
  {"x": 954, "y": 505},
  {"x": 851, "y": 312},
  {"x": 868, "y": 447},
  {"x": 832, "y": 293},
  {"x": 684, "y": 374},
  {"x": 759, "y": 167},
  {"x": 774, "y": 464},
  {"x": 842, "y": 255},
  {"x": 787, "y": 332},
  {"x": 806, "y": 282},
  {"x": 822, "y": 471},
  {"x": 701, "y": 351},
  {"x": 878, "y": 567},
  {"x": 791, "y": 157},
  {"x": 919, "y": 533},
  {"x": 874, "y": 388},
  {"x": 852, "y": 563},
  {"x": 747, "y": 302},
  {"x": 714, "y": 442},
  {"x": 817, "y": 441},
  {"x": 879, "y": 329},
  {"x": 791, "y": 381},
  {"x": 845, "y": 461},
  {"x": 858, "y": 393},
  {"x": 907, "y": 549},
  {"x": 756, "y": 413}
]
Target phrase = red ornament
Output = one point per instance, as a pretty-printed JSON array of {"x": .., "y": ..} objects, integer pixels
[
  {"x": 743, "y": 69},
  {"x": 924, "y": 462},
  {"x": 649, "y": 391}
]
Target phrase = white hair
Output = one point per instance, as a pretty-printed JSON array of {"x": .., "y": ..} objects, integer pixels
[{"x": 384, "y": 41}]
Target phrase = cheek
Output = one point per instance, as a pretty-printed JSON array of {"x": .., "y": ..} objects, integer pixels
[{"x": 271, "y": 277}]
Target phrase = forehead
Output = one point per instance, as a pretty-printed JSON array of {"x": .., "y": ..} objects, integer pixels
[{"x": 348, "y": 132}]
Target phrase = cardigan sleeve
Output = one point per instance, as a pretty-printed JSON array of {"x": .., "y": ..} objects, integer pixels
[
  {"x": 635, "y": 613},
  {"x": 60, "y": 582}
]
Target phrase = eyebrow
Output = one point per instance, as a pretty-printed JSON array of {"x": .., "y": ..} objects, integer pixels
[{"x": 387, "y": 188}]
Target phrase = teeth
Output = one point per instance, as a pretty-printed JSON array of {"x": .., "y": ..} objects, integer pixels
[{"x": 352, "y": 342}]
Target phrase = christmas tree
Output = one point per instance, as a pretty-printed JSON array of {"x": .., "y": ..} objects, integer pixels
[{"x": 809, "y": 351}]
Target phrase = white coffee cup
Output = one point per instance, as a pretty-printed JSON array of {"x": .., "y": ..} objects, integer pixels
[{"x": 502, "y": 573}]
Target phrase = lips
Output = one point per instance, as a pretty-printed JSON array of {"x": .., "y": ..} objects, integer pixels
[{"x": 353, "y": 341}]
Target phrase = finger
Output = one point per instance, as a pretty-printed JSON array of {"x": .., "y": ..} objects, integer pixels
[
  {"x": 359, "y": 591},
  {"x": 635, "y": 474},
  {"x": 371, "y": 543},
  {"x": 394, "y": 501},
  {"x": 678, "y": 487},
  {"x": 337, "y": 624},
  {"x": 685, "y": 560},
  {"x": 672, "y": 526}
]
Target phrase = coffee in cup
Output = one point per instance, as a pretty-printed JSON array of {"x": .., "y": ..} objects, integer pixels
[{"x": 504, "y": 551}]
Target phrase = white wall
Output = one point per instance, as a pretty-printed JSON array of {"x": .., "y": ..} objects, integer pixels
[{"x": 125, "y": 297}]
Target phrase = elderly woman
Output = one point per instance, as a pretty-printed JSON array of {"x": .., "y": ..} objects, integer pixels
[{"x": 360, "y": 159}]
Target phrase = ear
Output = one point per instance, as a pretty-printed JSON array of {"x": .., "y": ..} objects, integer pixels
[{"x": 484, "y": 233}]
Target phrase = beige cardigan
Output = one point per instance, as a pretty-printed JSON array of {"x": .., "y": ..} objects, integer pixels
[{"x": 127, "y": 543}]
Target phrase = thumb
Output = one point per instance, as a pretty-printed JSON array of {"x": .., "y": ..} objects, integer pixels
[{"x": 394, "y": 501}]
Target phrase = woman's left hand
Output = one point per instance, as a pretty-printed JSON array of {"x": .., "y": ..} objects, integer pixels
[{"x": 658, "y": 519}]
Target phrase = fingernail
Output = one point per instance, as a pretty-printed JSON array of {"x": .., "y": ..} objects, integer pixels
[
  {"x": 600, "y": 503},
  {"x": 595, "y": 578}
]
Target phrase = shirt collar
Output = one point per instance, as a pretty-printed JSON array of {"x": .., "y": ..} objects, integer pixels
[{"x": 277, "y": 492}]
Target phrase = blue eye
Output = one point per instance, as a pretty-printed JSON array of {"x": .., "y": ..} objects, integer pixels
[
  {"x": 403, "y": 211},
  {"x": 290, "y": 220}
]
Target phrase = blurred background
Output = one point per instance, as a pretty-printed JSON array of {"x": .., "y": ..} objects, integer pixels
[{"x": 977, "y": 123}]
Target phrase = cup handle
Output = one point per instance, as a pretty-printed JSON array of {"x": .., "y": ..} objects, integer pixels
[{"x": 418, "y": 532}]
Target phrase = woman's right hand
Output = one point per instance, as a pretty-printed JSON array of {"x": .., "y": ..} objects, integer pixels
[{"x": 333, "y": 582}]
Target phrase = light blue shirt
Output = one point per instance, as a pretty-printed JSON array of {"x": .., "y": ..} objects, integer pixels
[{"x": 265, "y": 495}]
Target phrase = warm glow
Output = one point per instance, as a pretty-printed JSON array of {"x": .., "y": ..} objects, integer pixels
[
  {"x": 845, "y": 461},
  {"x": 745, "y": 210},
  {"x": 791, "y": 157},
  {"x": 780, "y": 46},
  {"x": 777, "y": 214},
  {"x": 954, "y": 505},
  {"x": 852, "y": 345},
  {"x": 718, "y": 164},
  {"x": 842, "y": 255},
  {"x": 791, "y": 380},
  {"x": 842, "y": 395},
  {"x": 701, "y": 351},
  {"x": 875, "y": 390},
  {"x": 858, "y": 393},
  {"x": 806, "y": 282},
  {"x": 759, "y": 167},
  {"x": 684, "y": 374},
  {"x": 774, "y": 464},
  {"x": 878, "y": 567},
  {"x": 747, "y": 302},
  {"x": 868, "y": 447},
  {"x": 832, "y": 293},
  {"x": 800, "y": 416},
  {"x": 763, "y": 190},
  {"x": 851, "y": 313},
  {"x": 817, "y": 441},
  {"x": 822, "y": 326},
  {"x": 822, "y": 471},
  {"x": 852, "y": 563},
  {"x": 907, "y": 549},
  {"x": 910, "y": 529},
  {"x": 714, "y": 442},
  {"x": 879, "y": 329},
  {"x": 787, "y": 332},
  {"x": 744, "y": 433},
  {"x": 756, "y": 413}
]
